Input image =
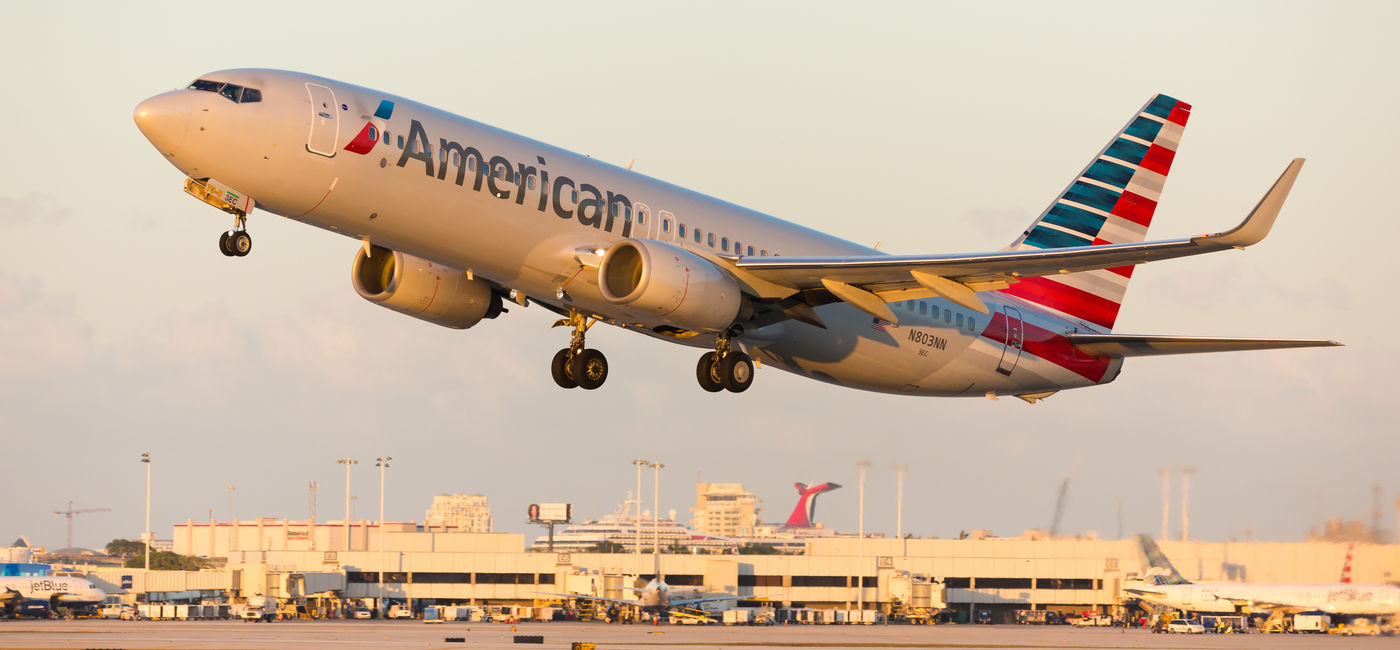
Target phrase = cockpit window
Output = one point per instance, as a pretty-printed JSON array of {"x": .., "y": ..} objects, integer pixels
[{"x": 235, "y": 93}]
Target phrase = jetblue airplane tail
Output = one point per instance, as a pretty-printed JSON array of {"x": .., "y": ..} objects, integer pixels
[
  {"x": 1110, "y": 202},
  {"x": 1160, "y": 570}
]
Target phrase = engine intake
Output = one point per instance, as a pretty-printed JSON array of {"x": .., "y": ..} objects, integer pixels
[
  {"x": 422, "y": 289},
  {"x": 659, "y": 283}
]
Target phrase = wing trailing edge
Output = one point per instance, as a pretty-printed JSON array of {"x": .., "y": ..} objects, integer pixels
[{"x": 1135, "y": 345}]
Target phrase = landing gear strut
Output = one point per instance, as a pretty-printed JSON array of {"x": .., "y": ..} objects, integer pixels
[
  {"x": 577, "y": 366},
  {"x": 724, "y": 369},
  {"x": 236, "y": 242}
]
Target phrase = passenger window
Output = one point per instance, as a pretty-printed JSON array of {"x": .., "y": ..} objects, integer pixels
[
  {"x": 386, "y": 137},
  {"x": 960, "y": 319},
  {"x": 947, "y": 315},
  {"x": 763, "y": 253},
  {"x": 400, "y": 142},
  {"x": 697, "y": 236},
  {"x": 923, "y": 308},
  {"x": 530, "y": 182},
  {"x": 972, "y": 324},
  {"x": 442, "y": 156},
  {"x": 724, "y": 244},
  {"x": 681, "y": 231},
  {"x": 251, "y": 95},
  {"x": 665, "y": 225},
  {"x": 471, "y": 164},
  {"x": 751, "y": 251},
  {"x": 641, "y": 214}
]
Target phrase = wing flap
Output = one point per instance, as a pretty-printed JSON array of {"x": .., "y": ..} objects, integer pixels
[{"x": 1134, "y": 345}]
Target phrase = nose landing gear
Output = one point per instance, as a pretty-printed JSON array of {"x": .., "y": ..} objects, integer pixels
[
  {"x": 724, "y": 369},
  {"x": 236, "y": 242},
  {"x": 577, "y": 366}
]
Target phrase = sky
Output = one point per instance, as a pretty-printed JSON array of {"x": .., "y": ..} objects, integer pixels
[{"x": 926, "y": 127}]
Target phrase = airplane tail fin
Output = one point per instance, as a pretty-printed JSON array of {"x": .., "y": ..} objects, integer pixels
[
  {"x": 1110, "y": 202},
  {"x": 1159, "y": 568},
  {"x": 1346, "y": 568}
]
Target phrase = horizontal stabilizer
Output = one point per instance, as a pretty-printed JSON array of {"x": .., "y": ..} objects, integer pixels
[{"x": 1134, "y": 345}]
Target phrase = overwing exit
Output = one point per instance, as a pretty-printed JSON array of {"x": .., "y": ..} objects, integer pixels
[{"x": 457, "y": 221}]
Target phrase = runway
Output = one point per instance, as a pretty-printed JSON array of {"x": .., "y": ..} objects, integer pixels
[{"x": 219, "y": 635}]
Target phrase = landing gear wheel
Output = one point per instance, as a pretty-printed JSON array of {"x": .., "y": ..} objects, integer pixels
[
  {"x": 589, "y": 369},
  {"x": 223, "y": 245},
  {"x": 563, "y": 375},
  {"x": 240, "y": 242},
  {"x": 736, "y": 372},
  {"x": 707, "y": 372}
]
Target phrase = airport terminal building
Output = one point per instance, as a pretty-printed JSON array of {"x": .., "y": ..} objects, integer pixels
[{"x": 1000, "y": 575}]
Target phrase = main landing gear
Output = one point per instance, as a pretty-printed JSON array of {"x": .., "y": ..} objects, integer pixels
[
  {"x": 236, "y": 242},
  {"x": 577, "y": 366},
  {"x": 724, "y": 369}
]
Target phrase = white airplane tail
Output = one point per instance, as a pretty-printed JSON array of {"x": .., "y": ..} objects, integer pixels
[{"x": 1110, "y": 202}]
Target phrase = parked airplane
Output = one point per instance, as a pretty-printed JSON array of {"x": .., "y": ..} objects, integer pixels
[
  {"x": 655, "y": 596},
  {"x": 454, "y": 215},
  {"x": 1176, "y": 592},
  {"x": 38, "y": 595}
]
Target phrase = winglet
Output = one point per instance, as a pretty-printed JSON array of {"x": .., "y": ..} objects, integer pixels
[{"x": 1260, "y": 220}]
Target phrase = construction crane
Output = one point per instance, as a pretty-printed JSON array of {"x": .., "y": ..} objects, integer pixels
[
  {"x": 1059, "y": 509},
  {"x": 69, "y": 515}
]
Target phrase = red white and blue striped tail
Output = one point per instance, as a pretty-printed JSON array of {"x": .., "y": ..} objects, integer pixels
[{"x": 1110, "y": 202}]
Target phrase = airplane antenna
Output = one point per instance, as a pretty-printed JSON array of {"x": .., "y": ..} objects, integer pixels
[
  {"x": 68, "y": 514},
  {"x": 629, "y": 164}
]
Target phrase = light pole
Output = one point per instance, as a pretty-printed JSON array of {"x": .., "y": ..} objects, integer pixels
[
  {"x": 382, "y": 463},
  {"x": 656, "y": 515},
  {"x": 347, "y": 462},
  {"x": 860, "y": 552},
  {"x": 637, "y": 501},
  {"x": 232, "y": 530},
  {"x": 146, "y": 535},
  {"x": 230, "y": 489},
  {"x": 1186, "y": 473},
  {"x": 899, "y": 469}
]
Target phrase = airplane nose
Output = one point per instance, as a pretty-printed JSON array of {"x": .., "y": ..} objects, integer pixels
[{"x": 165, "y": 119}]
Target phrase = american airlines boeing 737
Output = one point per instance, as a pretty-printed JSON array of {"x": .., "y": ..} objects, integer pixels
[{"x": 457, "y": 218}]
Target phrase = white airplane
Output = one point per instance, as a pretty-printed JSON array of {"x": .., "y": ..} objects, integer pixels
[
  {"x": 42, "y": 594},
  {"x": 656, "y": 596},
  {"x": 454, "y": 216},
  {"x": 1176, "y": 592}
]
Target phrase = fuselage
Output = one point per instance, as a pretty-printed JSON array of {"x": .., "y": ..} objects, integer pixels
[
  {"x": 1359, "y": 600},
  {"x": 54, "y": 590},
  {"x": 531, "y": 217}
]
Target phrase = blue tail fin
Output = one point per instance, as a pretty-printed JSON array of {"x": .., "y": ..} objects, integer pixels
[{"x": 1160, "y": 569}]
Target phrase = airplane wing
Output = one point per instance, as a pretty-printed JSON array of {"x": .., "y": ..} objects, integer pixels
[
  {"x": 1134, "y": 345},
  {"x": 868, "y": 282},
  {"x": 695, "y": 601}
]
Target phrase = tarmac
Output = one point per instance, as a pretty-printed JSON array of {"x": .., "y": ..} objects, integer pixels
[{"x": 231, "y": 635}]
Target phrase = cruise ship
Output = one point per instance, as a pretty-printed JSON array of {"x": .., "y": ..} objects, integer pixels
[{"x": 620, "y": 527}]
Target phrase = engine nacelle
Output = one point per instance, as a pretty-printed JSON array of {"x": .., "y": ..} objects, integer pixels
[
  {"x": 414, "y": 286},
  {"x": 657, "y": 282}
]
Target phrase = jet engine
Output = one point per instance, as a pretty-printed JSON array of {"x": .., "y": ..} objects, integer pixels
[
  {"x": 655, "y": 281},
  {"x": 414, "y": 286}
]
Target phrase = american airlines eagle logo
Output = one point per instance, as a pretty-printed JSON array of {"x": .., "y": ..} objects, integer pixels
[{"x": 368, "y": 136}]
